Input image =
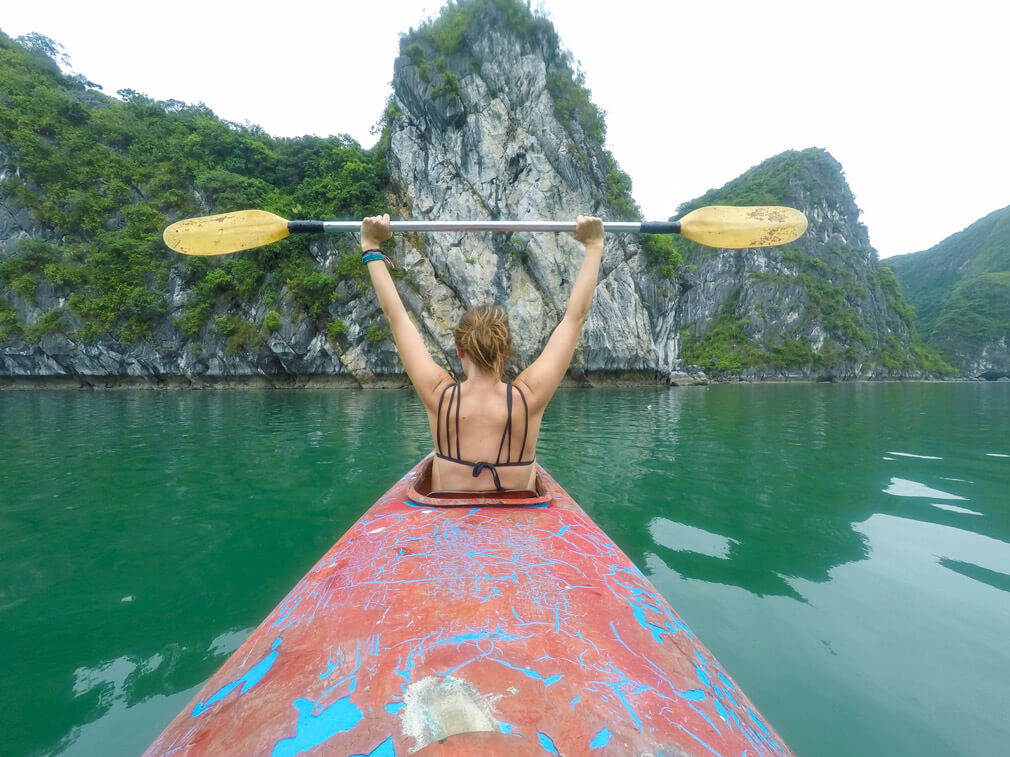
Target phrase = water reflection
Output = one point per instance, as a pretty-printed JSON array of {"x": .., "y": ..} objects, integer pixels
[
  {"x": 901, "y": 487},
  {"x": 748, "y": 467},
  {"x": 993, "y": 578},
  {"x": 780, "y": 474},
  {"x": 955, "y": 509},
  {"x": 924, "y": 491},
  {"x": 919, "y": 646},
  {"x": 683, "y": 538}
]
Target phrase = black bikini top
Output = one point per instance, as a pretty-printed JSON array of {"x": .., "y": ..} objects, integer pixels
[{"x": 454, "y": 397}]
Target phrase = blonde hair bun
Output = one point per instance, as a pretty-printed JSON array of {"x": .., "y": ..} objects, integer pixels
[{"x": 483, "y": 333}]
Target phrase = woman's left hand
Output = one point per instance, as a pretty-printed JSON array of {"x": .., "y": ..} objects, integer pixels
[
  {"x": 374, "y": 231},
  {"x": 589, "y": 230}
]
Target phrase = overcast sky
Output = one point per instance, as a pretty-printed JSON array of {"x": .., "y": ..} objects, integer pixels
[{"x": 910, "y": 97}]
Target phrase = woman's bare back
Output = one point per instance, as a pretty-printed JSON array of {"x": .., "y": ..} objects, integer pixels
[{"x": 485, "y": 435}]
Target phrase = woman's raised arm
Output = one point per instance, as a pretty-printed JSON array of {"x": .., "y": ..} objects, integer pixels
[
  {"x": 544, "y": 375},
  {"x": 425, "y": 374}
]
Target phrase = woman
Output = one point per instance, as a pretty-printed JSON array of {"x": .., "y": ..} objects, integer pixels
[{"x": 485, "y": 431}]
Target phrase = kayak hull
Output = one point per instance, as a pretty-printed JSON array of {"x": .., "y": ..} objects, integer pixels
[{"x": 509, "y": 629}]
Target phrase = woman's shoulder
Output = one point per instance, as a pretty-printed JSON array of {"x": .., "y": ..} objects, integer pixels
[
  {"x": 534, "y": 402},
  {"x": 434, "y": 394}
]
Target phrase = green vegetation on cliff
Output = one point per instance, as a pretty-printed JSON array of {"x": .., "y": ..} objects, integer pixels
[
  {"x": 961, "y": 291},
  {"x": 780, "y": 180},
  {"x": 927, "y": 278},
  {"x": 977, "y": 310},
  {"x": 726, "y": 348},
  {"x": 105, "y": 176}
]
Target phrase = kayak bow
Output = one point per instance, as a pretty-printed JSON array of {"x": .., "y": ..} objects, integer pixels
[{"x": 472, "y": 624}]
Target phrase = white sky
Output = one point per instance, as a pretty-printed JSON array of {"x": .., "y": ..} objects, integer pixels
[{"x": 910, "y": 97}]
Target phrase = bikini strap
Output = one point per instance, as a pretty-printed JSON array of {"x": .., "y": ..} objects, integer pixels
[
  {"x": 438, "y": 421},
  {"x": 507, "y": 431},
  {"x": 458, "y": 394},
  {"x": 526, "y": 425}
]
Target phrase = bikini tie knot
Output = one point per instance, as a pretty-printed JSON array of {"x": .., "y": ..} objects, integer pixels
[{"x": 481, "y": 467}]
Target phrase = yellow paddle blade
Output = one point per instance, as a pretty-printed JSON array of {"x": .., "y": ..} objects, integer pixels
[
  {"x": 228, "y": 232},
  {"x": 736, "y": 228}
]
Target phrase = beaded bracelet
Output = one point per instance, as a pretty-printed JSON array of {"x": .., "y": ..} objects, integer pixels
[{"x": 369, "y": 255}]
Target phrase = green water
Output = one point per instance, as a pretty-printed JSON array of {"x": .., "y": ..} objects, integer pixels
[{"x": 844, "y": 550}]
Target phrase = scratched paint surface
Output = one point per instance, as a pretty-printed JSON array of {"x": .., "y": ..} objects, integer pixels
[{"x": 534, "y": 611}]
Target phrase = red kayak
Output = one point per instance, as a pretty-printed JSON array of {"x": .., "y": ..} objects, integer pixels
[{"x": 443, "y": 624}]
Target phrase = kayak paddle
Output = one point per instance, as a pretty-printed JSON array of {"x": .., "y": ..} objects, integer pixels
[{"x": 721, "y": 226}]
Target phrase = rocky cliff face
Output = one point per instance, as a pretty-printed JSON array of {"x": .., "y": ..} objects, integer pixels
[
  {"x": 489, "y": 121},
  {"x": 496, "y": 148},
  {"x": 818, "y": 307}
]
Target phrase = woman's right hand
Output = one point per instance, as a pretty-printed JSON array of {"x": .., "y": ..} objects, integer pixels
[
  {"x": 374, "y": 231},
  {"x": 589, "y": 229}
]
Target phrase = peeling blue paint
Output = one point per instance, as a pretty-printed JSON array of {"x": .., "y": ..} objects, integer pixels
[
  {"x": 693, "y": 695},
  {"x": 331, "y": 665},
  {"x": 352, "y": 676},
  {"x": 616, "y": 636},
  {"x": 530, "y": 673},
  {"x": 736, "y": 720},
  {"x": 693, "y": 736},
  {"x": 494, "y": 593},
  {"x": 547, "y": 743},
  {"x": 312, "y": 730},
  {"x": 615, "y": 686},
  {"x": 249, "y": 679},
  {"x": 286, "y": 612},
  {"x": 705, "y": 717},
  {"x": 702, "y": 675},
  {"x": 729, "y": 696},
  {"x": 385, "y": 749},
  {"x": 601, "y": 739},
  {"x": 757, "y": 720},
  {"x": 721, "y": 709}
]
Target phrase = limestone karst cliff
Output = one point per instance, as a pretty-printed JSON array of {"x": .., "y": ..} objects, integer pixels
[
  {"x": 488, "y": 119},
  {"x": 496, "y": 144},
  {"x": 819, "y": 307},
  {"x": 960, "y": 289}
]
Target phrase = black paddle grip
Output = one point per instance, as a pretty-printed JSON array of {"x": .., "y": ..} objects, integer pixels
[
  {"x": 660, "y": 227},
  {"x": 305, "y": 227}
]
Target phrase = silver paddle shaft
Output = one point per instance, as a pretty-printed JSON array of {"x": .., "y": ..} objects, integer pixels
[{"x": 612, "y": 226}]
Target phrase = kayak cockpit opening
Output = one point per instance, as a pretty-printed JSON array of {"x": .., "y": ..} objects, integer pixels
[{"x": 419, "y": 490}]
